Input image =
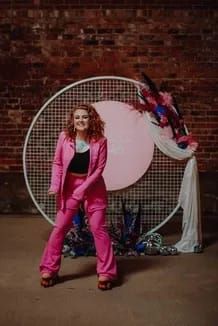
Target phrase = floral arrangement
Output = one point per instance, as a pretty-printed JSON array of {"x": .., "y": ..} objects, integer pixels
[
  {"x": 163, "y": 106},
  {"x": 126, "y": 236}
]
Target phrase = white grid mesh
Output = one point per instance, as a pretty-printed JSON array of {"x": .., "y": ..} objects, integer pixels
[{"x": 157, "y": 190}]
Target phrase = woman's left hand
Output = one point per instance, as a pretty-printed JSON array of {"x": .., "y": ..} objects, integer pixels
[{"x": 52, "y": 193}]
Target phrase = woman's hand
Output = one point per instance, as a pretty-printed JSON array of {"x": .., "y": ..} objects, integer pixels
[{"x": 52, "y": 193}]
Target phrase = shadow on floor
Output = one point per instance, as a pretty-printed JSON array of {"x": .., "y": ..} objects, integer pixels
[{"x": 125, "y": 265}]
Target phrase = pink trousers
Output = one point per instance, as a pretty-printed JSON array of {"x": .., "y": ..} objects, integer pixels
[{"x": 51, "y": 258}]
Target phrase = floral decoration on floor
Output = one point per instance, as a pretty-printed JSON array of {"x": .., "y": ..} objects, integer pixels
[{"x": 126, "y": 235}]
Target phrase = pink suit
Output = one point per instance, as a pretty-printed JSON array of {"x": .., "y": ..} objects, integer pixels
[{"x": 71, "y": 191}]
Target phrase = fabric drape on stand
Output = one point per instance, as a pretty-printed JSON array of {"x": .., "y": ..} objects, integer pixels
[{"x": 189, "y": 197}]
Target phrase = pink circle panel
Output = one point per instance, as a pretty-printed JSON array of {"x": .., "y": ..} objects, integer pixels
[{"x": 130, "y": 147}]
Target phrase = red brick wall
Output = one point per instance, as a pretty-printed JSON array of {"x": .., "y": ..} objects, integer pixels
[{"x": 46, "y": 45}]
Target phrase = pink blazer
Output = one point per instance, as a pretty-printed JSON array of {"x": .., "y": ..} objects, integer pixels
[{"x": 64, "y": 152}]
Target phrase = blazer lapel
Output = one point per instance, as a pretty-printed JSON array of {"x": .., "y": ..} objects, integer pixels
[
  {"x": 70, "y": 150},
  {"x": 94, "y": 146}
]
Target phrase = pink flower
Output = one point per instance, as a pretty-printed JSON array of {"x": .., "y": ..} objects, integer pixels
[
  {"x": 151, "y": 100},
  {"x": 166, "y": 99},
  {"x": 193, "y": 146},
  {"x": 189, "y": 140}
]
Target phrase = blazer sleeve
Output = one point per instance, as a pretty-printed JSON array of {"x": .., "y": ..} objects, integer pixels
[
  {"x": 91, "y": 179},
  {"x": 57, "y": 166}
]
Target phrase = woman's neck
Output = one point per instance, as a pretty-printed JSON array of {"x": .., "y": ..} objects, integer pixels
[{"x": 81, "y": 135}]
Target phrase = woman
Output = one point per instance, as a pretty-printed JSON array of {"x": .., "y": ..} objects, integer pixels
[{"x": 79, "y": 161}]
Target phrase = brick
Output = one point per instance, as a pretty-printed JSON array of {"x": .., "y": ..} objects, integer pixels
[{"x": 46, "y": 45}]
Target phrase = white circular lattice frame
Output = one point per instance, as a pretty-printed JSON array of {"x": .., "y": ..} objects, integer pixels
[{"x": 157, "y": 191}]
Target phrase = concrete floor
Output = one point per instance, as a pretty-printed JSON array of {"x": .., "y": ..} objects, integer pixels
[{"x": 168, "y": 291}]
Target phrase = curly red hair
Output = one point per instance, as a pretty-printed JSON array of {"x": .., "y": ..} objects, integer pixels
[{"x": 96, "y": 124}]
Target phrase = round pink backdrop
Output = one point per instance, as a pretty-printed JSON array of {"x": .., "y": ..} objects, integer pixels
[{"x": 130, "y": 147}]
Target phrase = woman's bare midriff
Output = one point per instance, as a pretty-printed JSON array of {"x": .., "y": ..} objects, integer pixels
[{"x": 78, "y": 174}]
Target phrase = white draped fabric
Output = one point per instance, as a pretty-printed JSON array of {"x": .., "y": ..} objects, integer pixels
[{"x": 189, "y": 197}]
